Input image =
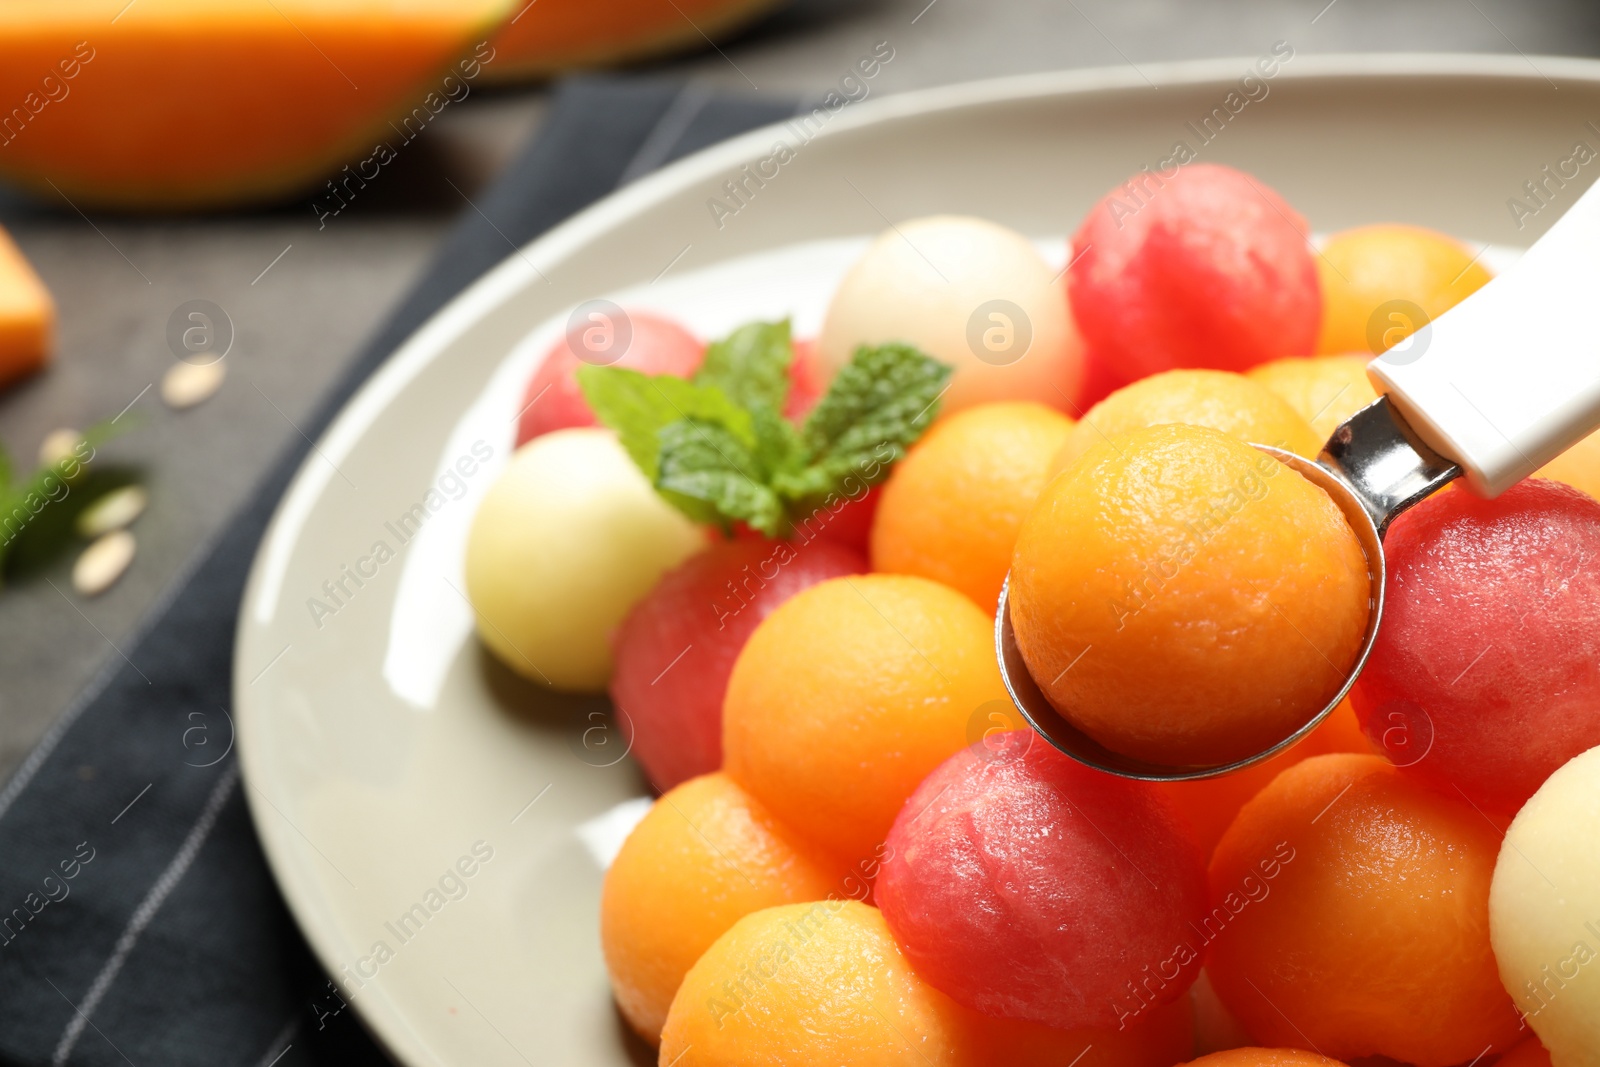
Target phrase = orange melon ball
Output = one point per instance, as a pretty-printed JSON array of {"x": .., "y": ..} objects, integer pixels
[
  {"x": 1209, "y": 805},
  {"x": 1381, "y": 283},
  {"x": 706, "y": 855},
  {"x": 1341, "y": 732},
  {"x": 823, "y": 984},
  {"x": 1323, "y": 390},
  {"x": 1351, "y": 914},
  {"x": 1186, "y": 599},
  {"x": 952, "y": 508},
  {"x": 1264, "y": 1057},
  {"x": 1219, "y": 399},
  {"x": 848, "y": 694},
  {"x": 1578, "y": 466}
]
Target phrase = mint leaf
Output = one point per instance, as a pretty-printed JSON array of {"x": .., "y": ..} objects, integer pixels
[
  {"x": 751, "y": 365},
  {"x": 42, "y": 481},
  {"x": 719, "y": 449},
  {"x": 639, "y": 406},
  {"x": 778, "y": 447},
  {"x": 878, "y": 404},
  {"x": 713, "y": 476},
  {"x": 53, "y": 484}
]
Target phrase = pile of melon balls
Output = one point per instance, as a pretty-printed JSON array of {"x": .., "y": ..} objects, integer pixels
[{"x": 860, "y": 855}]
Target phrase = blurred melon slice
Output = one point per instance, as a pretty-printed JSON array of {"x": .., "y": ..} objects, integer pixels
[
  {"x": 27, "y": 315},
  {"x": 545, "y": 37},
  {"x": 211, "y": 103}
]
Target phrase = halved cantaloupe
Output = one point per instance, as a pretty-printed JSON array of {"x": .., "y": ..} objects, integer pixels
[
  {"x": 27, "y": 315},
  {"x": 209, "y": 103},
  {"x": 545, "y": 37}
]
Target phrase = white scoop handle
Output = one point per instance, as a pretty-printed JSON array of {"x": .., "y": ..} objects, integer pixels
[{"x": 1510, "y": 378}]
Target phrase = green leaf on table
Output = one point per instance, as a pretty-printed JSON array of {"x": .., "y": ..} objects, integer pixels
[
  {"x": 36, "y": 512},
  {"x": 751, "y": 365},
  {"x": 45, "y": 479}
]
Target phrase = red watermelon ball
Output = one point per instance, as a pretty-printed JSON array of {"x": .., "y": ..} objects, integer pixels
[
  {"x": 1486, "y": 672},
  {"x": 675, "y": 650},
  {"x": 1203, "y": 267},
  {"x": 849, "y": 522},
  {"x": 1028, "y": 886},
  {"x": 616, "y": 338}
]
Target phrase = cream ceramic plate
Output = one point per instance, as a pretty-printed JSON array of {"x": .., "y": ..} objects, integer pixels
[{"x": 439, "y": 827}]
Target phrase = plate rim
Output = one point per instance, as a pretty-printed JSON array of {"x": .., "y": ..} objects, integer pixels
[{"x": 424, "y": 345}]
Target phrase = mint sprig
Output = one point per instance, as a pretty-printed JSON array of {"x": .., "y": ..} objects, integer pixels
[
  {"x": 712, "y": 477},
  {"x": 751, "y": 365},
  {"x": 23, "y": 500},
  {"x": 639, "y": 406},
  {"x": 720, "y": 451},
  {"x": 878, "y": 404}
]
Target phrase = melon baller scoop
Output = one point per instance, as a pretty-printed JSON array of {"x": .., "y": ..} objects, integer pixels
[{"x": 1491, "y": 391}]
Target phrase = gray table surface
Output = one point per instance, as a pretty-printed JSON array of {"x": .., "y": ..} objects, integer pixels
[{"x": 118, "y": 279}]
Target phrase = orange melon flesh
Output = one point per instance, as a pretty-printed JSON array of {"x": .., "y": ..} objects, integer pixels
[
  {"x": 209, "y": 103},
  {"x": 550, "y": 36},
  {"x": 27, "y": 315}
]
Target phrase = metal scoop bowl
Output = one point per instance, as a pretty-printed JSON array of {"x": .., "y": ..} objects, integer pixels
[
  {"x": 1490, "y": 391},
  {"x": 1373, "y": 467}
]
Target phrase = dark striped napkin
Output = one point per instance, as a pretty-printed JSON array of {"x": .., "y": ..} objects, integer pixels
[{"x": 138, "y": 921}]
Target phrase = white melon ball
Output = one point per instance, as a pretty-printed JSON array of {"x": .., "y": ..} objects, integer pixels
[
  {"x": 1544, "y": 912},
  {"x": 971, "y": 293},
  {"x": 566, "y": 541}
]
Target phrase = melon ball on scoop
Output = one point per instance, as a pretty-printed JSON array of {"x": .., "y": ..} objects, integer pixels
[{"x": 1186, "y": 599}]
